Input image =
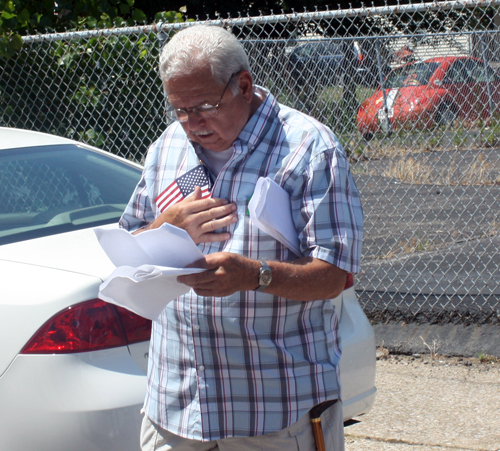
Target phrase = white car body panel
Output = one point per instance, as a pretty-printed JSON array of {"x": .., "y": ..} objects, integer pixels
[
  {"x": 13, "y": 138},
  {"x": 357, "y": 374},
  {"x": 77, "y": 251},
  {"x": 86, "y": 402},
  {"x": 90, "y": 400}
]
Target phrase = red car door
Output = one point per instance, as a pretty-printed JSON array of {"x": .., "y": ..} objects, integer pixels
[
  {"x": 486, "y": 87},
  {"x": 462, "y": 88}
]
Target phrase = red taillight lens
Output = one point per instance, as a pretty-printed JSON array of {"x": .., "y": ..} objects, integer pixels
[
  {"x": 136, "y": 327},
  {"x": 349, "y": 281},
  {"x": 90, "y": 326}
]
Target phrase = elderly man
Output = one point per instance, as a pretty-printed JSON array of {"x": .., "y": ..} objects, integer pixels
[{"x": 239, "y": 361}]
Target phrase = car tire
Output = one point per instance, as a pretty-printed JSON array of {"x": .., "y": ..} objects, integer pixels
[{"x": 446, "y": 115}]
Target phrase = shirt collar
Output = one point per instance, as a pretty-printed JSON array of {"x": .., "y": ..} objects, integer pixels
[{"x": 260, "y": 122}]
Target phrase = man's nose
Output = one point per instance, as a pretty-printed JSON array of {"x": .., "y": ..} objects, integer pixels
[{"x": 195, "y": 121}]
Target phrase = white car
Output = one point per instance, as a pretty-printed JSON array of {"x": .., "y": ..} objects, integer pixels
[{"x": 72, "y": 367}]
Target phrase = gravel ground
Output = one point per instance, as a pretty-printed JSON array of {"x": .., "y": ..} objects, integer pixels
[{"x": 431, "y": 404}]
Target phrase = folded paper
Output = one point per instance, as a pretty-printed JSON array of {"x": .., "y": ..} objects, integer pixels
[
  {"x": 270, "y": 211},
  {"x": 148, "y": 265}
]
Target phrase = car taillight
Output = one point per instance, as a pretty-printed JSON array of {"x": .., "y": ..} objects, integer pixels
[
  {"x": 349, "y": 281},
  {"x": 90, "y": 326}
]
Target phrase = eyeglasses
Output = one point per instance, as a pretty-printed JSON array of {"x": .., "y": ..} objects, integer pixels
[{"x": 205, "y": 110}]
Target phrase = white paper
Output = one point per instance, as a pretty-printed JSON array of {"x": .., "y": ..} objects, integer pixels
[
  {"x": 166, "y": 246},
  {"x": 271, "y": 212},
  {"x": 148, "y": 265},
  {"x": 145, "y": 290}
]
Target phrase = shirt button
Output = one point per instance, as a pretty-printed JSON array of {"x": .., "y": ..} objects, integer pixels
[
  {"x": 197, "y": 326},
  {"x": 201, "y": 368}
]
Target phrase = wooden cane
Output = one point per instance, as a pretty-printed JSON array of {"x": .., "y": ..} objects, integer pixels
[
  {"x": 318, "y": 434},
  {"x": 315, "y": 414}
]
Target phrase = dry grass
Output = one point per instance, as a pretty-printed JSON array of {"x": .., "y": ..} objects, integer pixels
[
  {"x": 415, "y": 244},
  {"x": 412, "y": 171}
]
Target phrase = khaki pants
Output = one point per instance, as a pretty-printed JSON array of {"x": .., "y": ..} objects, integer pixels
[{"x": 297, "y": 437}]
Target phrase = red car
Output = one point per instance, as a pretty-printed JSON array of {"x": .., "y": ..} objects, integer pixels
[{"x": 433, "y": 92}]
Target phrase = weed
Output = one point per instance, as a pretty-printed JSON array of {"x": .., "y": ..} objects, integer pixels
[
  {"x": 485, "y": 358},
  {"x": 432, "y": 349},
  {"x": 460, "y": 137}
]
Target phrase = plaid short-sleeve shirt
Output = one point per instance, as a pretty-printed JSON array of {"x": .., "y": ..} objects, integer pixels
[{"x": 252, "y": 363}]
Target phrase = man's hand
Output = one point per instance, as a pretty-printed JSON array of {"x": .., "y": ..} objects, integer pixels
[
  {"x": 304, "y": 279},
  {"x": 226, "y": 273},
  {"x": 199, "y": 217}
]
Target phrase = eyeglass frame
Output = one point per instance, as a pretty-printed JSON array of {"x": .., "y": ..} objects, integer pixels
[{"x": 213, "y": 111}]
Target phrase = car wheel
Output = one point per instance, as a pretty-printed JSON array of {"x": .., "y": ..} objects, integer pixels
[{"x": 447, "y": 114}]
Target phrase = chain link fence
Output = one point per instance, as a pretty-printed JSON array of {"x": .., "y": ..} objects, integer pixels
[{"x": 412, "y": 91}]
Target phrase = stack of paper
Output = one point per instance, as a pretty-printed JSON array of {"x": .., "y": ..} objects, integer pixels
[
  {"x": 148, "y": 264},
  {"x": 270, "y": 211}
]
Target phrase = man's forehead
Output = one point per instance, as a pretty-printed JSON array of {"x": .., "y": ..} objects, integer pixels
[{"x": 192, "y": 87}]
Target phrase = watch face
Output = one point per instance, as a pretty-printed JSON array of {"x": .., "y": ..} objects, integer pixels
[{"x": 265, "y": 277}]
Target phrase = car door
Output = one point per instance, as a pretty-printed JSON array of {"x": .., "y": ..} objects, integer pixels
[
  {"x": 459, "y": 83},
  {"x": 486, "y": 87},
  {"x": 328, "y": 57}
]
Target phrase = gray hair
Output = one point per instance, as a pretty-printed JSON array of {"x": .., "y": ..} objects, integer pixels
[{"x": 199, "y": 46}]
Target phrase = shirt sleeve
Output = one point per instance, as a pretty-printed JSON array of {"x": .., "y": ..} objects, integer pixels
[
  {"x": 138, "y": 212},
  {"x": 331, "y": 216}
]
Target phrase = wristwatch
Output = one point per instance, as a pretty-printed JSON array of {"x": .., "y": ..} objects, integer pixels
[{"x": 265, "y": 275}]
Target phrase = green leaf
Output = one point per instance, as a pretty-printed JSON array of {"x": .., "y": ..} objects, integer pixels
[
  {"x": 169, "y": 16},
  {"x": 16, "y": 42},
  {"x": 9, "y": 7},
  {"x": 124, "y": 8},
  {"x": 7, "y": 16},
  {"x": 24, "y": 17},
  {"x": 91, "y": 22},
  {"x": 138, "y": 15}
]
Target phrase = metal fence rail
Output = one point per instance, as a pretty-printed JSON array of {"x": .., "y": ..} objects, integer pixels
[{"x": 425, "y": 149}]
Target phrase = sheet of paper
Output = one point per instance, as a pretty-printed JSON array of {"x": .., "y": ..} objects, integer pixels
[
  {"x": 145, "y": 290},
  {"x": 270, "y": 211},
  {"x": 148, "y": 264},
  {"x": 166, "y": 246}
]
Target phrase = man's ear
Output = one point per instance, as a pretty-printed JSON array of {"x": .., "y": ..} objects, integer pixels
[{"x": 245, "y": 83}]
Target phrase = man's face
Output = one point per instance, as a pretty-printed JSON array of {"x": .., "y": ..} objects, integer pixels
[{"x": 217, "y": 133}]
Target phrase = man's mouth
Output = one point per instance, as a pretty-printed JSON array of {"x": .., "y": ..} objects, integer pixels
[{"x": 202, "y": 134}]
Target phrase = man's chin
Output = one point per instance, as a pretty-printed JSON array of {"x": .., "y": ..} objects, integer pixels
[{"x": 210, "y": 142}]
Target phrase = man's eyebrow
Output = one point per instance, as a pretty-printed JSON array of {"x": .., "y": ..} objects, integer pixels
[{"x": 204, "y": 102}]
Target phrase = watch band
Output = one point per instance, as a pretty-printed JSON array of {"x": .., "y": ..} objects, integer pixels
[{"x": 265, "y": 275}]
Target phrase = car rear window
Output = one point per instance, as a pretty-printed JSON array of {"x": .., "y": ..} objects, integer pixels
[{"x": 53, "y": 189}]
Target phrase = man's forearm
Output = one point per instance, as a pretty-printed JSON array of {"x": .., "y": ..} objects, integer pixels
[{"x": 306, "y": 279}]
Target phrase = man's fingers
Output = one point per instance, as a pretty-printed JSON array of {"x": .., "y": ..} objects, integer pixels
[
  {"x": 195, "y": 195},
  {"x": 200, "y": 204},
  {"x": 213, "y": 224},
  {"x": 198, "y": 280},
  {"x": 213, "y": 237}
]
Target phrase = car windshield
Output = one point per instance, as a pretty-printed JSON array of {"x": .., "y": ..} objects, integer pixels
[
  {"x": 53, "y": 189},
  {"x": 417, "y": 74},
  {"x": 318, "y": 49}
]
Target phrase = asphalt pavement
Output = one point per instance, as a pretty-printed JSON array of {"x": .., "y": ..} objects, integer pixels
[
  {"x": 430, "y": 252},
  {"x": 431, "y": 403}
]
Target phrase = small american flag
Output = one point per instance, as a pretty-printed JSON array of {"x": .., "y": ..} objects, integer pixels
[{"x": 183, "y": 186}]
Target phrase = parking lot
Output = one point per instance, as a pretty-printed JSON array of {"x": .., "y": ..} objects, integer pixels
[
  {"x": 431, "y": 404},
  {"x": 430, "y": 248}
]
